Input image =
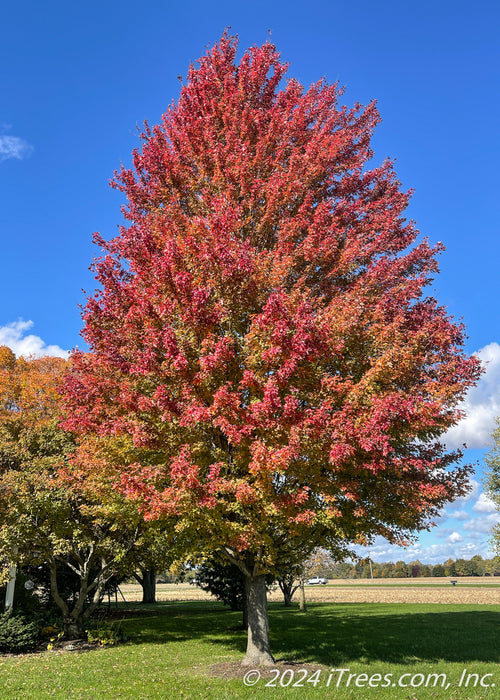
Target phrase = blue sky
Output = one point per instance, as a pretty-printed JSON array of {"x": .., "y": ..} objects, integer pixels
[{"x": 77, "y": 79}]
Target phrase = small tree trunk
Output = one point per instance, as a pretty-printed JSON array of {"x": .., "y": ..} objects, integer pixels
[
  {"x": 74, "y": 620},
  {"x": 302, "y": 599},
  {"x": 285, "y": 589},
  {"x": 244, "y": 622},
  {"x": 149, "y": 586},
  {"x": 288, "y": 589},
  {"x": 74, "y": 627},
  {"x": 258, "y": 646}
]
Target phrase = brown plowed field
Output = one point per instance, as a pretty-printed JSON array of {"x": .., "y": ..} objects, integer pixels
[{"x": 421, "y": 590}]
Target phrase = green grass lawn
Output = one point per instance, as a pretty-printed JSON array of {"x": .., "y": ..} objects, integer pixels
[{"x": 173, "y": 648}]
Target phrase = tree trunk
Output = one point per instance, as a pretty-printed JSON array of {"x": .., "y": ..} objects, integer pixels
[
  {"x": 74, "y": 620},
  {"x": 302, "y": 599},
  {"x": 149, "y": 586},
  {"x": 288, "y": 589},
  {"x": 258, "y": 646},
  {"x": 244, "y": 622},
  {"x": 74, "y": 627}
]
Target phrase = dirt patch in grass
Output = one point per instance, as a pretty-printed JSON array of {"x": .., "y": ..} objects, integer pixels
[{"x": 234, "y": 669}]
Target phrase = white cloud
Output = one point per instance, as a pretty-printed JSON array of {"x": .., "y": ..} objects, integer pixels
[
  {"x": 481, "y": 406},
  {"x": 483, "y": 524},
  {"x": 14, "y": 147},
  {"x": 458, "y": 515},
  {"x": 464, "y": 540},
  {"x": 465, "y": 548},
  {"x": 484, "y": 504},
  {"x": 13, "y": 336},
  {"x": 442, "y": 532},
  {"x": 458, "y": 505}
]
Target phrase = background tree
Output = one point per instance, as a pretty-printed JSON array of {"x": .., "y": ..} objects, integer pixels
[
  {"x": 415, "y": 569},
  {"x": 60, "y": 527},
  {"x": 466, "y": 567},
  {"x": 342, "y": 569},
  {"x": 492, "y": 481},
  {"x": 153, "y": 553},
  {"x": 262, "y": 324},
  {"x": 226, "y": 582},
  {"x": 449, "y": 567},
  {"x": 295, "y": 576},
  {"x": 438, "y": 570},
  {"x": 98, "y": 463},
  {"x": 480, "y": 564},
  {"x": 493, "y": 566},
  {"x": 81, "y": 524},
  {"x": 28, "y": 425},
  {"x": 146, "y": 577}
]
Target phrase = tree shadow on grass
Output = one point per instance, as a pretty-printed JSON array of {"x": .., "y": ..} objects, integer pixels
[
  {"x": 175, "y": 622},
  {"x": 341, "y": 633},
  {"x": 352, "y": 632}
]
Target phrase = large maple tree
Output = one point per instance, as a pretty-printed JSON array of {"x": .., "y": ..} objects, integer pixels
[{"x": 261, "y": 325}]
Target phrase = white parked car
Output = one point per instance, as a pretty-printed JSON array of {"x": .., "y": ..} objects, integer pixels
[{"x": 315, "y": 580}]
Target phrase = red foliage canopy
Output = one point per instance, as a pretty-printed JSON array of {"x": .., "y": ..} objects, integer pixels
[{"x": 261, "y": 325}]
